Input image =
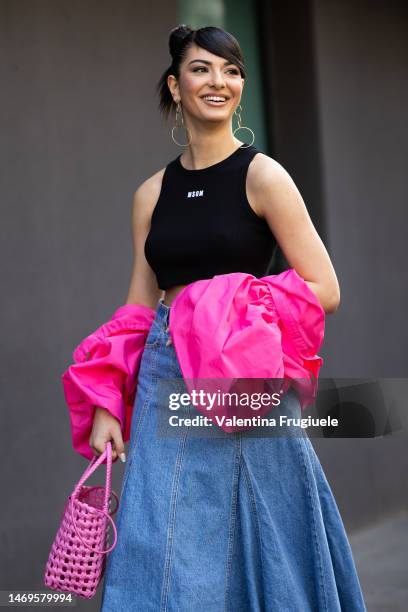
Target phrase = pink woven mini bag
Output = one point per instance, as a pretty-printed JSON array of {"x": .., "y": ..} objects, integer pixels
[{"x": 77, "y": 560}]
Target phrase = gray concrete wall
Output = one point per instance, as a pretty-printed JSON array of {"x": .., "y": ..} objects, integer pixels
[
  {"x": 80, "y": 131},
  {"x": 361, "y": 50}
]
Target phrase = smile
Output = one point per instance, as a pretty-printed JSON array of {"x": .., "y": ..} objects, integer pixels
[{"x": 215, "y": 100}]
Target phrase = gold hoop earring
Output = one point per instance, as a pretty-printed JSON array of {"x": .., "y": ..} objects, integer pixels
[
  {"x": 180, "y": 124},
  {"x": 238, "y": 112}
]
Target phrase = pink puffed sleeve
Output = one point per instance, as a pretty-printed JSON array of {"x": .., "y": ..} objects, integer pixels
[
  {"x": 238, "y": 326},
  {"x": 104, "y": 373},
  {"x": 303, "y": 322}
]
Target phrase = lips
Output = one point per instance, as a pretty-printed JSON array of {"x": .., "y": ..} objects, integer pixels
[{"x": 215, "y": 102}]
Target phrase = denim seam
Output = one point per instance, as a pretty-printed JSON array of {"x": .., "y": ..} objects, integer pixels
[
  {"x": 143, "y": 410},
  {"x": 153, "y": 330},
  {"x": 314, "y": 457},
  {"x": 158, "y": 339},
  {"x": 170, "y": 528},
  {"x": 301, "y": 450},
  {"x": 232, "y": 522},
  {"x": 251, "y": 493}
]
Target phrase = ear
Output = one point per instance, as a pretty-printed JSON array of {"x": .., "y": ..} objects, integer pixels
[{"x": 174, "y": 88}]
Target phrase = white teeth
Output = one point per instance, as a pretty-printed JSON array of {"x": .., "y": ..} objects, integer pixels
[{"x": 214, "y": 99}]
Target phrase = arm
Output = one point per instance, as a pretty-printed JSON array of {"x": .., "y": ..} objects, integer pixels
[
  {"x": 143, "y": 290},
  {"x": 274, "y": 196},
  {"x": 143, "y": 284}
]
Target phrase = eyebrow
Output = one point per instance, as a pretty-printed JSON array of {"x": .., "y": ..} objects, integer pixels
[{"x": 227, "y": 63}]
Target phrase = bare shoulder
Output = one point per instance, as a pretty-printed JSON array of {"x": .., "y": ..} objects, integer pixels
[
  {"x": 147, "y": 194},
  {"x": 267, "y": 179},
  {"x": 264, "y": 170}
]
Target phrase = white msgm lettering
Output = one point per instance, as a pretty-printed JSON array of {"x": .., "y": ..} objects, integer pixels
[{"x": 195, "y": 194}]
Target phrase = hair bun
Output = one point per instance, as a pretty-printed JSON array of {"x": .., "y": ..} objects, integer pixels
[{"x": 177, "y": 36}]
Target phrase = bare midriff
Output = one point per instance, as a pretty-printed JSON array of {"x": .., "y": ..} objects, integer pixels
[{"x": 171, "y": 293}]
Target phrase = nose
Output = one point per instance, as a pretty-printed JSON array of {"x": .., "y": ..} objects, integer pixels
[{"x": 217, "y": 79}]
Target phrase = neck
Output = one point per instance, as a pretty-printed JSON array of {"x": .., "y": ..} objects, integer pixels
[{"x": 209, "y": 146}]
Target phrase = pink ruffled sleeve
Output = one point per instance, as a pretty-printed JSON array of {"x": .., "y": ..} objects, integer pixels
[
  {"x": 303, "y": 320},
  {"x": 104, "y": 373},
  {"x": 236, "y": 326}
]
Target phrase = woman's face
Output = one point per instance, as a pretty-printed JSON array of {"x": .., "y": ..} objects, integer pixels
[{"x": 203, "y": 75}]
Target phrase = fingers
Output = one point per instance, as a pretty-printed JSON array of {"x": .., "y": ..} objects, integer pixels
[
  {"x": 106, "y": 428},
  {"x": 118, "y": 445},
  {"x": 98, "y": 447}
]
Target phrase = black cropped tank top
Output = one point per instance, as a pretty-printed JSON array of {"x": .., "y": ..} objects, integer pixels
[{"x": 203, "y": 225}]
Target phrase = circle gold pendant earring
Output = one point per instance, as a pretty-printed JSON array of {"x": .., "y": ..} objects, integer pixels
[
  {"x": 179, "y": 123},
  {"x": 238, "y": 112}
]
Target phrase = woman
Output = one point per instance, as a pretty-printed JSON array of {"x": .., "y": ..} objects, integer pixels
[{"x": 229, "y": 522}]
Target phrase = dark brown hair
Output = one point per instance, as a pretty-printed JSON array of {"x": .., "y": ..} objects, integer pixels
[{"x": 212, "y": 39}]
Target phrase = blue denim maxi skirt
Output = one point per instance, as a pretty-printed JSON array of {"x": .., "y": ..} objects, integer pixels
[{"x": 231, "y": 523}]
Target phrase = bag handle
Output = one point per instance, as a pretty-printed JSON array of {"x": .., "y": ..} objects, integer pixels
[{"x": 93, "y": 465}]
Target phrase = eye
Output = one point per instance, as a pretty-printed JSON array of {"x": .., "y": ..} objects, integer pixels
[{"x": 231, "y": 70}]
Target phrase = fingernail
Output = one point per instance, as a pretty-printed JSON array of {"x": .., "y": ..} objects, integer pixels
[{"x": 122, "y": 457}]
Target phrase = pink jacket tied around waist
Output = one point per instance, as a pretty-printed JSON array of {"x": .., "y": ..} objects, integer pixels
[{"x": 230, "y": 326}]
